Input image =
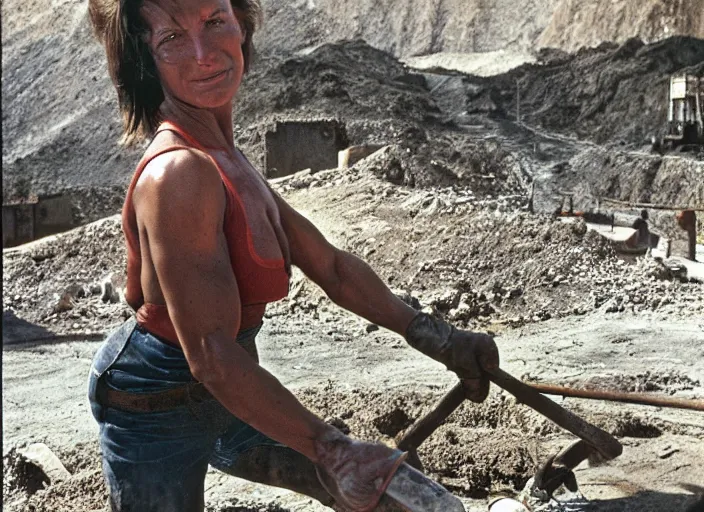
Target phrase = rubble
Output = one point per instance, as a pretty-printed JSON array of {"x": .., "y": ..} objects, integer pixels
[
  {"x": 476, "y": 260},
  {"x": 41, "y": 456}
]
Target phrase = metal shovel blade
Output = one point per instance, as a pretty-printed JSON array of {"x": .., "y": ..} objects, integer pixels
[{"x": 418, "y": 493}]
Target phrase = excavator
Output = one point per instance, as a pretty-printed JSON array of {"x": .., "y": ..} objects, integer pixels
[{"x": 685, "y": 114}]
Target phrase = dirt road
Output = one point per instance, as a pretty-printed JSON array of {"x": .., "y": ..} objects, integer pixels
[{"x": 362, "y": 377}]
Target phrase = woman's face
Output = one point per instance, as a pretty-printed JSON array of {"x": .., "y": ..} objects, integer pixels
[{"x": 197, "y": 48}]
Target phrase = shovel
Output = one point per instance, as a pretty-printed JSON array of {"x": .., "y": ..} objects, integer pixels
[{"x": 418, "y": 493}]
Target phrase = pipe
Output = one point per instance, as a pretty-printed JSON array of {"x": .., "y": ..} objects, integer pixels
[{"x": 618, "y": 396}]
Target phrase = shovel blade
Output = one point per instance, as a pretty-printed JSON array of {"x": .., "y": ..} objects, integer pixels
[{"x": 418, "y": 493}]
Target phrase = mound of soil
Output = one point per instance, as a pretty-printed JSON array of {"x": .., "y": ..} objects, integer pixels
[
  {"x": 26, "y": 487},
  {"x": 634, "y": 178},
  {"x": 609, "y": 94},
  {"x": 20, "y": 476},
  {"x": 474, "y": 260},
  {"x": 69, "y": 283},
  {"x": 470, "y": 454}
]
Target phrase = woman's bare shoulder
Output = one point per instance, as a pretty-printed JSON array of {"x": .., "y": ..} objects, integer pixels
[{"x": 182, "y": 169}]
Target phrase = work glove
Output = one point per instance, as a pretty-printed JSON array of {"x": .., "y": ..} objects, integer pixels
[
  {"x": 355, "y": 473},
  {"x": 466, "y": 353}
]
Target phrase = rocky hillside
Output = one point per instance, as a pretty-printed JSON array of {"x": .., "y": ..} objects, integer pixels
[
  {"x": 576, "y": 23},
  {"x": 409, "y": 29},
  {"x": 60, "y": 122},
  {"x": 613, "y": 94}
]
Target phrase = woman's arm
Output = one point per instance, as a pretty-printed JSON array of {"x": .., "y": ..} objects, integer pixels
[
  {"x": 353, "y": 285},
  {"x": 180, "y": 204},
  {"x": 346, "y": 279}
]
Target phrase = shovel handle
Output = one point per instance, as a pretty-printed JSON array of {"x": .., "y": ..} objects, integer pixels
[
  {"x": 606, "y": 444},
  {"x": 603, "y": 442},
  {"x": 431, "y": 421}
]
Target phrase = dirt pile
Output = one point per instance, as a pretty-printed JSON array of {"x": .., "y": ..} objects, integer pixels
[
  {"x": 610, "y": 94},
  {"x": 381, "y": 102},
  {"x": 60, "y": 135},
  {"x": 475, "y": 260},
  {"x": 69, "y": 283},
  {"x": 20, "y": 475},
  {"x": 60, "y": 127},
  {"x": 26, "y": 487},
  {"x": 482, "y": 448},
  {"x": 575, "y": 24},
  {"x": 596, "y": 174},
  {"x": 378, "y": 98},
  {"x": 469, "y": 454},
  {"x": 479, "y": 261}
]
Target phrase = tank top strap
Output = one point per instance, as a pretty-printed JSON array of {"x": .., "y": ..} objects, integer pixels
[{"x": 171, "y": 126}]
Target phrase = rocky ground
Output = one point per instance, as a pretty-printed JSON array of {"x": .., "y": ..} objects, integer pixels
[
  {"x": 477, "y": 261},
  {"x": 455, "y": 213},
  {"x": 566, "y": 308},
  {"x": 371, "y": 384}
]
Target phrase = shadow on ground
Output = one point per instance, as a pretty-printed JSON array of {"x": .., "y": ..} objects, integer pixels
[
  {"x": 15, "y": 330},
  {"x": 650, "y": 501}
]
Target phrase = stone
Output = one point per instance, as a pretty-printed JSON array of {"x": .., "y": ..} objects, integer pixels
[
  {"x": 40, "y": 455},
  {"x": 65, "y": 303},
  {"x": 667, "y": 451}
]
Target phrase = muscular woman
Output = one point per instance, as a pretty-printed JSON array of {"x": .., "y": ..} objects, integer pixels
[{"x": 209, "y": 244}]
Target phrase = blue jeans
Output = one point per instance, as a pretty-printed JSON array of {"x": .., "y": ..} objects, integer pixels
[{"x": 157, "y": 461}]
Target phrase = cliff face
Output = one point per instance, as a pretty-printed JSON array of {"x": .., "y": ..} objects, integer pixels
[
  {"x": 420, "y": 28},
  {"x": 576, "y": 23},
  {"x": 409, "y": 29}
]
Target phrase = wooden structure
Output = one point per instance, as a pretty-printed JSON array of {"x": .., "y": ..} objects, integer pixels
[
  {"x": 36, "y": 217},
  {"x": 292, "y": 146}
]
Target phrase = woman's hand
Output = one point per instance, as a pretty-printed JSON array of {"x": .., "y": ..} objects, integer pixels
[
  {"x": 355, "y": 473},
  {"x": 466, "y": 353}
]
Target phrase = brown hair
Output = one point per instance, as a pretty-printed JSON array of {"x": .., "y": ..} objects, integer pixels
[{"x": 118, "y": 25}]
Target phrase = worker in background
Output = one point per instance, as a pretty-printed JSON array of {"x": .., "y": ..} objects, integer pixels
[
  {"x": 209, "y": 244},
  {"x": 642, "y": 231},
  {"x": 687, "y": 220}
]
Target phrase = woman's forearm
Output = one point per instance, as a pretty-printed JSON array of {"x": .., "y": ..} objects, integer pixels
[
  {"x": 256, "y": 397},
  {"x": 360, "y": 290}
]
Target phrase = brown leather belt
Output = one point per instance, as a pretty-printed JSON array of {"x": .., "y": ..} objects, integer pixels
[{"x": 155, "y": 402}]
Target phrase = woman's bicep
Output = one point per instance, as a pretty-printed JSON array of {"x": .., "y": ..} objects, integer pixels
[{"x": 181, "y": 210}]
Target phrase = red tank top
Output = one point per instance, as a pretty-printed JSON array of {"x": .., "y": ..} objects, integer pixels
[{"x": 259, "y": 280}]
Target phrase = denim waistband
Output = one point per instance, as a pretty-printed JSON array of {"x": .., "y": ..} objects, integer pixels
[{"x": 147, "y": 364}]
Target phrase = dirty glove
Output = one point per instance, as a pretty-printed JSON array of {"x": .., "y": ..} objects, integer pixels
[
  {"x": 466, "y": 353},
  {"x": 355, "y": 473}
]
